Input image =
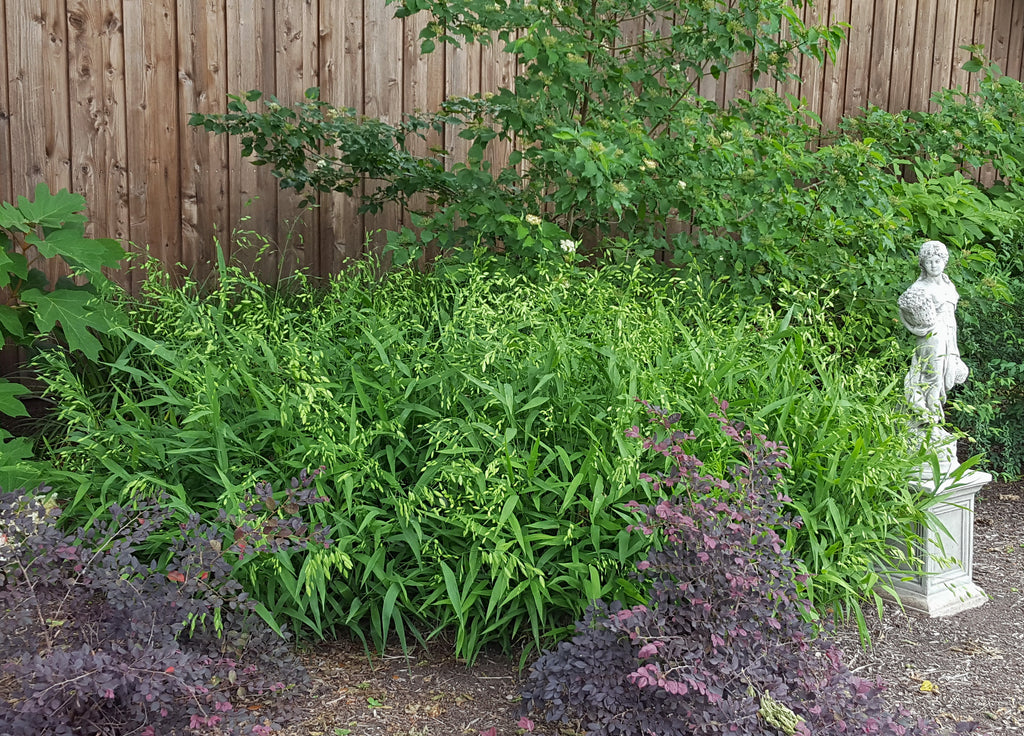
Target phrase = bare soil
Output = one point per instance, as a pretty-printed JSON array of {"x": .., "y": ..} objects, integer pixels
[{"x": 964, "y": 671}]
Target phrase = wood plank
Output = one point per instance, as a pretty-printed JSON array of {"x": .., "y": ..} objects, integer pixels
[
  {"x": 296, "y": 30},
  {"x": 497, "y": 71},
  {"x": 862, "y": 15},
  {"x": 984, "y": 16},
  {"x": 834, "y": 84},
  {"x": 903, "y": 50},
  {"x": 812, "y": 73},
  {"x": 1015, "y": 44},
  {"x": 963, "y": 35},
  {"x": 99, "y": 159},
  {"x": 341, "y": 82},
  {"x": 252, "y": 204},
  {"x": 6, "y": 188},
  {"x": 883, "y": 30},
  {"x": 151, "y": 102},
  {"x": 38, "y": 95},
  {"x": 923, "y": 58},
  {"x": 999, "y": 44},
  {"x": 942, "y": 49},
  {"x": 202, "y": 49},
  {"x": 792, "y": 86},
  {"x": 462, "y": 79},
  {"x": 384, "y": 48}
]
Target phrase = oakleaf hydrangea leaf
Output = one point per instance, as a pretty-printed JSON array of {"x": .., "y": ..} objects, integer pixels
[
  {"x": 72, "y": 309},
  {"x": 52, "y": 210},
  {"x": 9, "y": 403}
]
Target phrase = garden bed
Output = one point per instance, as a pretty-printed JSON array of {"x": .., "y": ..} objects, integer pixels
[{"x": 971, "y": 660}]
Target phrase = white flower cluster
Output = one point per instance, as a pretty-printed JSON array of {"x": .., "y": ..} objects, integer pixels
[
  {"x": 569, "y": 246},
  {"x": 533, "y": 220}
]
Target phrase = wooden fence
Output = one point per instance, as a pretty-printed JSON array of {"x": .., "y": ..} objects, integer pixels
[{"x": 95, "y": 96}]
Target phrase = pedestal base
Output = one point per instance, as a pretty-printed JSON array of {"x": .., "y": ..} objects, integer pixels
[{"x": 942, "y": 585}]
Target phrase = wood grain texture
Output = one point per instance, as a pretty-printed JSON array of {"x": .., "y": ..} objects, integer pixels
[
  {"x": 984, "y": 17},
  {"x": 202, "y": 50},
  {"x": 1015, "y": 45},
  {"x": 6, "y": 187},
  {"x": 902, "y": 56},
  {"x": 154, "y": 193},
  {"x": 924, "y": 58},
  {"x": 858, "y": 71},
  {"x": 296, "y": 33},
  {"x": 384, "y": 41},
  {"x": 37, "y": 67},
  {"x": 252, "y": 201},
  {"x": 811, "y": 72},
  {"x": 97, "y": 93},
  {"x": 880, "y": 75},
  {"x": 999, "y": 44},
  {"x": 834, "y": 84},
  {"x": 97, "y": 114}
]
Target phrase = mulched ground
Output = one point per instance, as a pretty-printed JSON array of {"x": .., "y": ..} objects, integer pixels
[{"x": 974, "y": 661}]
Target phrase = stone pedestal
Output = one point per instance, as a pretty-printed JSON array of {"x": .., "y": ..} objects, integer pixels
[{"x": 942, "y": 585}]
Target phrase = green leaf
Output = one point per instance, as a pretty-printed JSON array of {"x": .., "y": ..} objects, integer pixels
[
  {"x": 10, "y": 321},
  {"x": 52, "y": 210},
  {"x": 70, "y": 244},
  {"x": 9, "y": 403},
  {"x": 72, "y": 309}
]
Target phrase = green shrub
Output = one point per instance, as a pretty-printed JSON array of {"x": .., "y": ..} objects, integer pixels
[
  {"x": 34, "y": 312},
  {"x": 471, "y": 421}
]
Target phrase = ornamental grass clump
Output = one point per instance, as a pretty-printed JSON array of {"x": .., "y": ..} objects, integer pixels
[{"x": 722, "y": 643}]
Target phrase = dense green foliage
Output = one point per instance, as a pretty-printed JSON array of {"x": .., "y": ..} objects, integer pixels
[
  {"x": 616, "y": 154},
  {"x": 471, "y": 423},
  {"x": 720, "y": 644},
  {"x": 48, "y": 228}
]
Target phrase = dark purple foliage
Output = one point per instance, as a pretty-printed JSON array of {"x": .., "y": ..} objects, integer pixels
[
  {"x": 100, "y": 642},
  {"x": 722, "y": 645}
]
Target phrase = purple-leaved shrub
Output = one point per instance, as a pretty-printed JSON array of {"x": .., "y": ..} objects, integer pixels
[
  {"x": 100, "y": 642},
  {"x": 723, "y": 644}
]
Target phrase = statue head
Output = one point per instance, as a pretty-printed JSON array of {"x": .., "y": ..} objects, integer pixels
[{"x": 930, "y": 250}]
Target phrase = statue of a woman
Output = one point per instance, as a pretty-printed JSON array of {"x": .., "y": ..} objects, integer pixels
[{"x": 927, "y": 309}]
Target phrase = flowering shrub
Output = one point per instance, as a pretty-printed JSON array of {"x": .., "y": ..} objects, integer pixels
[
  {"x": 100, "y": 641},
  {"x": 721, "y": 644}
]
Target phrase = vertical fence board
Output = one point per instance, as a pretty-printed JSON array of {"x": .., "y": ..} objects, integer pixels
[
  {"x": 153, "y": 118},
  {"x": 298, "y": 67},
  {"x": 341, "y": 83},
  {"x": 252, "y": 203},
  {"x": 202, "y": 50},
  {"x": 999, "y": 45},
  {"x": 942, "y": 49},
  {"x": 984, "y": 15},
  {"x": 7, "y": 193},
  {"x": 1015, "y": 44},
  {"x": 834, "y": 90},
  {"x": 963, "y": 33},
  {"x": 382, "y": 95},
  {"x": 902, "y": 56},
  {"x": 97, "y": 114},
  {"x": 924, "y": 58},
  {"x": 881, "y": 52},
  {"x": 811, "y": 72},
  {"x": 497, "y": 70},
  {"x": 38, "y": 95},
  {"x": 862, "y": 15}
]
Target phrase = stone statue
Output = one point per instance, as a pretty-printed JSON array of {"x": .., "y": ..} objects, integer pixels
[{"x": 927, "y": 310}]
